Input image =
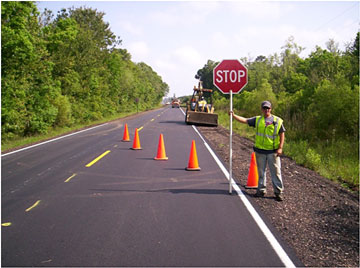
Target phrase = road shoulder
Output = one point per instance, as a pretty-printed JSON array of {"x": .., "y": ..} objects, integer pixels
[{"x": 318, "y": 218}]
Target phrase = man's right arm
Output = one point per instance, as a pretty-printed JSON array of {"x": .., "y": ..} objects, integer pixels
[{"x": 239, "y": 118}]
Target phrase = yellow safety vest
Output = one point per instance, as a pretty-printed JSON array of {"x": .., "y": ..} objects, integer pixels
[
  {"x": 267, "y": 137},
  {"x": 202, "y": 105}
]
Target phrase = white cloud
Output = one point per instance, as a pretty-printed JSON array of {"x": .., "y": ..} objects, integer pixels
[
  {"x": 188, "y": 55},
  {"x": 131, "y": 28},
  {"x": 219, "y": 40},
  {"x": 197, "y": 12},
  {"x": 138, "y": 50},
  {"x": 260, "y": 9},
  {"x": 164, "y": 18},
  {"x": 166, "y": 65},
  {"x": 184, "y": 13}
]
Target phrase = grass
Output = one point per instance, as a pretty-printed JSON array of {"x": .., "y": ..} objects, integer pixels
[
  {"x": 24, "y": 141},
  {"x": 335, "y": 160}
]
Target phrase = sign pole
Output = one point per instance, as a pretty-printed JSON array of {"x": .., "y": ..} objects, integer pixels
[
  {"x": 230, "y": 160},
  {"x": 230, "y": 77}
]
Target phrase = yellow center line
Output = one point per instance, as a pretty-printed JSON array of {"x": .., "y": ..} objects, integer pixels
[
  {"x": 72, "y": 176},
  {"x": 5, "y": 224},
  {"x": 97, "y": 159},
  {"x": 140, "y": 128},
  {"x": 30, "y": 208}
]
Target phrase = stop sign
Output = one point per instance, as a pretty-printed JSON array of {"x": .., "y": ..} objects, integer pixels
[{"x": 230, "y": 75}]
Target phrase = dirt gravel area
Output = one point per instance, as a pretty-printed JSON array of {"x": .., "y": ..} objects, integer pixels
[{"x": 318, "y": 218}]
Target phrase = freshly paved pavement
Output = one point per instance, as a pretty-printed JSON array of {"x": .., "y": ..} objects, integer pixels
[{"x": 126, "y": 209}]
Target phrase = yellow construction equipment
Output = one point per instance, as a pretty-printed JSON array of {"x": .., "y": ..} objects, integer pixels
[{"x": 200, "y": 109}]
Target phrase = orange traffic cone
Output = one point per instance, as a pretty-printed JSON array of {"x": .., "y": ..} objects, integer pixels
[
  {"x": 253, "y": 176},
  {"x": 161, "y": 154},
  {"x": 126, "y": 136},
  {"x": 136, "y": 143},
  {"x": 193, "y": 160}
]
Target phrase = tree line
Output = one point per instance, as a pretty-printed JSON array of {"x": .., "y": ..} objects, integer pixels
[
  {"x": 64, "y": 69},
  {"x": 317, "y": 96}
]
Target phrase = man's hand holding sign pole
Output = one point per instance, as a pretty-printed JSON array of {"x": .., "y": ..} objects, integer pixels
[{"x": 230, "y": 77}]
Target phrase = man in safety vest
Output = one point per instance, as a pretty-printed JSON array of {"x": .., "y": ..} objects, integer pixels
[
  {"x": 202, "y": 103},
  {"x": 269, "y": 142}
]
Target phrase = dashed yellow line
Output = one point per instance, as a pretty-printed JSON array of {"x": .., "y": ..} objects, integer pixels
[
  {"x": 152, "y": 120},
  {"x": 30, "y": 208},
  {"x": 6, "y": 224},
  {"x": 72, "y": 176},
  {"x": 97, "y": 159}
]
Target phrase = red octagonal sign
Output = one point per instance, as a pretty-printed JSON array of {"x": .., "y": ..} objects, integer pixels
[{"x": 230, "y": 75}]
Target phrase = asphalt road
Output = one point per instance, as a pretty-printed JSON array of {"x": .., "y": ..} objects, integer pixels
[{"x": 126, "y": 209}]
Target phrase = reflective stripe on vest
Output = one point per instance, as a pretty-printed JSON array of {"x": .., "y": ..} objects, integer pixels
[{"x": 267, "y": 137}]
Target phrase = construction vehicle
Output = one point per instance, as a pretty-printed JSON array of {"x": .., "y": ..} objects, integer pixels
[
  {"x": 198, "y": 110},
  {"x": 175, "y": 103}
]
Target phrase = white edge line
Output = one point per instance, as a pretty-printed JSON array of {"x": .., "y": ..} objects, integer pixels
[
  {"x": 38, "y": 144},
  {"x": 266, "y": 231}
]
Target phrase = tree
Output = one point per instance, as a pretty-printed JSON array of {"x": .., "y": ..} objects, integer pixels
[
  {"x": 290, "y": 55},
  {"x": 335, "y": 109},
  {"x": 257, "y": 71},
  {"x": 254, "y": 98},
  {"x": 353, "y": 49},
  {"x": 206, "y": 74},
  {"x": 322, "y": 65},
  {"x": 352, "y": 56},
  {"x": 28, "y": 89},
  {"x": 333, "y": 47},
  {"x": 66, "y": 69},
  {"x": 80, "y": 43},
  {"x": 295, "y": 81}
]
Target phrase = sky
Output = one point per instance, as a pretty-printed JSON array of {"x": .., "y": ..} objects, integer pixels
[{"x": 177, "y": 38}]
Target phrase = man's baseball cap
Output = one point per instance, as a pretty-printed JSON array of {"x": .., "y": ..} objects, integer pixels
[{"x": 266, "y": 104}]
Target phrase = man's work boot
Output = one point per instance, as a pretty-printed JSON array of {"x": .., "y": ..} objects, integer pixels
[
  {"x": 279, "y": 197},
  {"x": 260, "y": 194}
]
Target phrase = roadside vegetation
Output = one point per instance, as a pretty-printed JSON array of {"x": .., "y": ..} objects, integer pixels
[
  {"x": 318, "y": 98},
  {"x": 57, "y": 131},
  {"x": 66, "y": 71}
]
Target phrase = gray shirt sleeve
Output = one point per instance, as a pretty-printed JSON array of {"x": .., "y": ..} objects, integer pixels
[
  {"x": 282, "y": 128},
  {"x": 251, "y": 121}
]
